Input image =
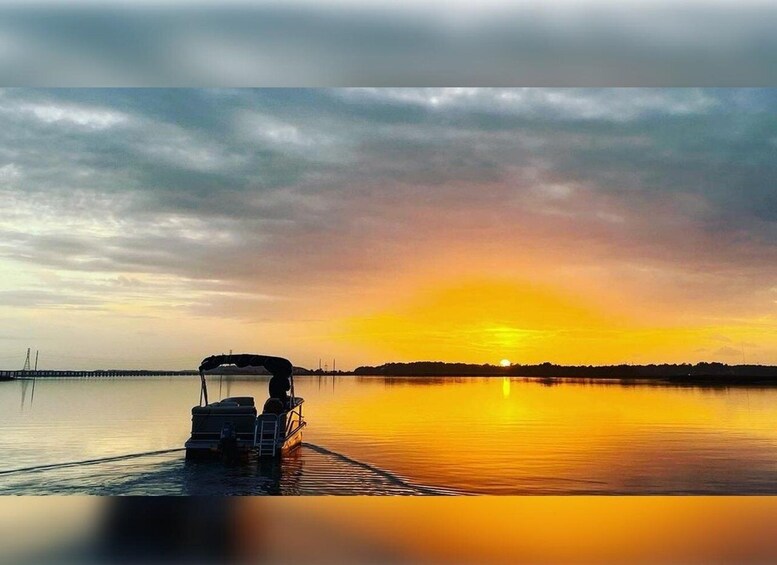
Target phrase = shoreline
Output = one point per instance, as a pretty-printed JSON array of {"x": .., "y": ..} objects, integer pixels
[{"x": 702, "y": 381}]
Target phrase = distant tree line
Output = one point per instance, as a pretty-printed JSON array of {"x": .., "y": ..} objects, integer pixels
[{"x": 438, "y": 368}]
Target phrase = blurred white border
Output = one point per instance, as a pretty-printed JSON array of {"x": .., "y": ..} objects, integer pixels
[{"x": 377, "y": 43}]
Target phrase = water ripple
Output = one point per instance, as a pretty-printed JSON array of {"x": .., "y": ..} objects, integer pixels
[{"x": 310, "y": 470}]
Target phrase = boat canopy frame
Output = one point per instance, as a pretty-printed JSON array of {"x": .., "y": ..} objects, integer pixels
[{"x": 277, "y": 366}]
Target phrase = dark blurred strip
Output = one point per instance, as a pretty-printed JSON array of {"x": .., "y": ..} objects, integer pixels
[
  {"x": 339, "y": 44},
  {"x": 343, "y": 530}
]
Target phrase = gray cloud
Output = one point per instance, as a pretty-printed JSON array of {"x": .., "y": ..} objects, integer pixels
[
  {"x": 258, "y": 191},
  {"x": 46, "y": 299},
  {"x": 728, "y": 352}
]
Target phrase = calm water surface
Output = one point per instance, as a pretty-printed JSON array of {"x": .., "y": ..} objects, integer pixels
[{"x": 399, "y": 436}]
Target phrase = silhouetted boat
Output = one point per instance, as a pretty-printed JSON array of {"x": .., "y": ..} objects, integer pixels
[{"x": 231, "y": 427}]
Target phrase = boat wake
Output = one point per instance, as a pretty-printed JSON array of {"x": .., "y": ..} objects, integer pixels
[
  {"x": 311, "y": 470},
  {"x": 67, "y": 464},
  {"x": 389, "y": 476}
]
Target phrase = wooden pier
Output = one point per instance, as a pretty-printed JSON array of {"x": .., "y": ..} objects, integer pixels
[{"x": 21, "y": 374}]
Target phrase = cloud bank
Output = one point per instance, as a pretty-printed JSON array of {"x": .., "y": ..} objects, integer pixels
[{"x": 309, "y": 206}]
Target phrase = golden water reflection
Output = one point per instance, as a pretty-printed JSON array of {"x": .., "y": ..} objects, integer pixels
[
  {"x": 512, "y": 436},
  {"x": 469, "y": 435}
]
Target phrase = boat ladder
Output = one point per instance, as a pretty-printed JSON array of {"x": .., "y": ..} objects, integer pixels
[{"x": 266, "y": 436}]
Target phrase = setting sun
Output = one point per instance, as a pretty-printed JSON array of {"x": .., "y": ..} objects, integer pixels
[
  {"x": 531, "y": 238},
  {"x": 504, "y": 363}
]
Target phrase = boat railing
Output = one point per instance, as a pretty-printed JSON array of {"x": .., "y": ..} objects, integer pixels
[
  {"x": 290, "y": 421},
  {"x": 291, "y": 426},
  {"x": 295, "y": 409}
]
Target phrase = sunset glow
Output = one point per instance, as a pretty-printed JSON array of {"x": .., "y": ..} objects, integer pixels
[{"x": 571, "y": 226}]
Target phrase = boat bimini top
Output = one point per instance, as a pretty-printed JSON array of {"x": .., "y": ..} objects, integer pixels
[{"x": 277, "y": 366}]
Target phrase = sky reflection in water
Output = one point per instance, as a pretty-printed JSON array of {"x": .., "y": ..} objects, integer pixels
[{"x": 473, "y": 435}]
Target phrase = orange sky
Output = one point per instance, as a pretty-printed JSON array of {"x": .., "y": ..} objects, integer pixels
[{"x": 152, "y": 228}]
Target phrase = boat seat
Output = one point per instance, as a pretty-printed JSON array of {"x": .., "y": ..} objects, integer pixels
[
  {"x": 241, "y": 400},
  {"x": 219, "y": 408},
  {"x": 211, "y": 419},
  {"x": 273, "y": 406}
]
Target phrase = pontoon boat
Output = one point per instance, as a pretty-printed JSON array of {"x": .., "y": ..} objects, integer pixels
[{"x": 231, "y": 427}]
